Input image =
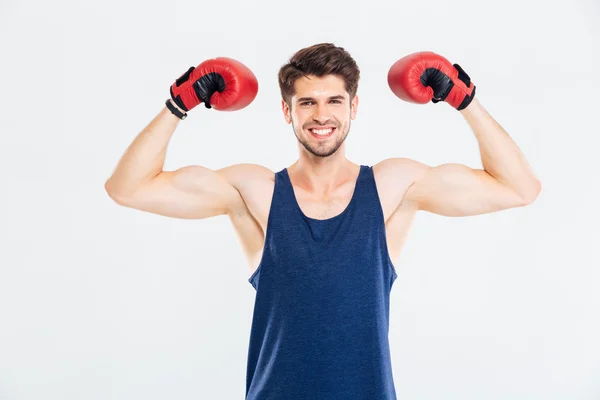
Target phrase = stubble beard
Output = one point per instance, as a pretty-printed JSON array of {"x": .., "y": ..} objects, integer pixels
[{"x": 321, "y": 150}]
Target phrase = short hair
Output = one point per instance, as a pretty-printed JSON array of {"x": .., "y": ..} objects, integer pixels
[{"x": 319, "y": 60}]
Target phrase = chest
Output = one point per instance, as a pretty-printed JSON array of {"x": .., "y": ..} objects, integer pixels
[{"x": 324, "y": 207}]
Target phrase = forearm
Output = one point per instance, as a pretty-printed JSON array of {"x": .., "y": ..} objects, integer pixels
[
  {"x": 500, "y": 155},
  {"x": 145, "y": 156}
]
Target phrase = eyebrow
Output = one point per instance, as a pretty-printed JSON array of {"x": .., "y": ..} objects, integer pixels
[{"x": 337, "y": 97}]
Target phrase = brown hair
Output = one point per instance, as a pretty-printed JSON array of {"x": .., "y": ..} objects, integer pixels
[{"x": 319, "y": 60}]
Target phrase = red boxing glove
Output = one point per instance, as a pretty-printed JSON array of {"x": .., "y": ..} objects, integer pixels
[
  {"x": 220, "y": 83},
  {"x": 424, "y": 76}
]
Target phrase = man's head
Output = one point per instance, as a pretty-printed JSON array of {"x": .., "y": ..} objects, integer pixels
[{"x": 318, "y": 89}]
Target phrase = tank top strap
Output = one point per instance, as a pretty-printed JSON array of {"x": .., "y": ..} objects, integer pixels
[
  {"x": 366, "y": 196},
  {"x": 282, "y": 203},
  {"x": 285, "y": 187}
]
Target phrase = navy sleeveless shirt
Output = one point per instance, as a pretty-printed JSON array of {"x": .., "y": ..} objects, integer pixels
[{"x": 321, "y": 313}]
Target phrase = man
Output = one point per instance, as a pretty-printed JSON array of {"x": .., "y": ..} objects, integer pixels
[{"x": 320, "y": 236}]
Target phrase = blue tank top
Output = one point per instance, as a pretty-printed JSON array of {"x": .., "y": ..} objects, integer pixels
[{"x": 321, "y": 313}]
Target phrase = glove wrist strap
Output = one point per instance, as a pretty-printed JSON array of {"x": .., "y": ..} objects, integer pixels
[{"x": 174, "y": 110}]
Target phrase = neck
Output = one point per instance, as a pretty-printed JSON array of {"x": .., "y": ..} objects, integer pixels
[{"x": 322, "y": 174}]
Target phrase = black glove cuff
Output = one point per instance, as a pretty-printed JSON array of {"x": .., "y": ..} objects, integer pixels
[{"x": 174, "y": 110}]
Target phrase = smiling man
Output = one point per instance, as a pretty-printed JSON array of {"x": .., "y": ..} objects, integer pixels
[
  {"x": 321, "y": 236},
  {"x": 335, "y": 125}
]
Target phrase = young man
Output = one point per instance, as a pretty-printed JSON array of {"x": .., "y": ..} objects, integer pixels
[{"x": 320, "y": 236}]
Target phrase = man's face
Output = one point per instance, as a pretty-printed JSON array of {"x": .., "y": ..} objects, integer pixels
[{"x": 320, "y": 113}]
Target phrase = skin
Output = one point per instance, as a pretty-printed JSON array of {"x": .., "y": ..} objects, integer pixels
[{"x": 322, "y": 177}]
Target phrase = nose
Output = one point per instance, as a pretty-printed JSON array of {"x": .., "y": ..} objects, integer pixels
[{"x": 321, "y": 115}]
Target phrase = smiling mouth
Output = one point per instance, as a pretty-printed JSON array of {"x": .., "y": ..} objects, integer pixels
[{"x": 322, "y": 133}]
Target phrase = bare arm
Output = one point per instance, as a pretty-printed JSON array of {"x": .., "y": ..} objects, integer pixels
[
  {"x": 455, "y": 190},
  {"x": 145, "y": 156},
  {"x": 506, "y": 180},
  {"x": 501, "y": 157},
  {"x": 190, "y": 192}
]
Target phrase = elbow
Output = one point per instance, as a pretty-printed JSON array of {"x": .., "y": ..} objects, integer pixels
[
  {"x": 112, "y": 193},
  {"x": 532, "y": 193}
]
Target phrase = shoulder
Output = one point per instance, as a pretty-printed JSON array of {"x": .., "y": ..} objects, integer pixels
[
  {"x": 247, "y": 175},
  {"x": 391, "y": 170},
  {"x": 255, "y": 184},
  {"x": 393, "y": 178}
]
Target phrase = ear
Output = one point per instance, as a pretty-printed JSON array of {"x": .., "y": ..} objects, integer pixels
[
  {"x": 286, "y": 112},
  {"x": 353, "y": 107}
]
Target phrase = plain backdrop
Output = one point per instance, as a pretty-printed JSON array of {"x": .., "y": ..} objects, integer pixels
[{"x": 102, "y": 302}]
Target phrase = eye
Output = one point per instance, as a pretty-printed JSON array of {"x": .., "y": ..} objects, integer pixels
[
  {"x": 306, "y": 103},
  {"x": 336, "y": 101}
]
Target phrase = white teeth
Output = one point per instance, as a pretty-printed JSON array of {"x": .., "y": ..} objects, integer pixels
[{"x": 321, "y": 131}]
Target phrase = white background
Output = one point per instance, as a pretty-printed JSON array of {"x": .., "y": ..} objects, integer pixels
[{"x": 99, "y": 301}]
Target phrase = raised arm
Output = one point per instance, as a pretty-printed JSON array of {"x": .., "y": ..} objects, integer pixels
[
  {"x": 139, "y": 181},
  {"x": 506, "y": 179},
  {"x": 194, "y": 191}
]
